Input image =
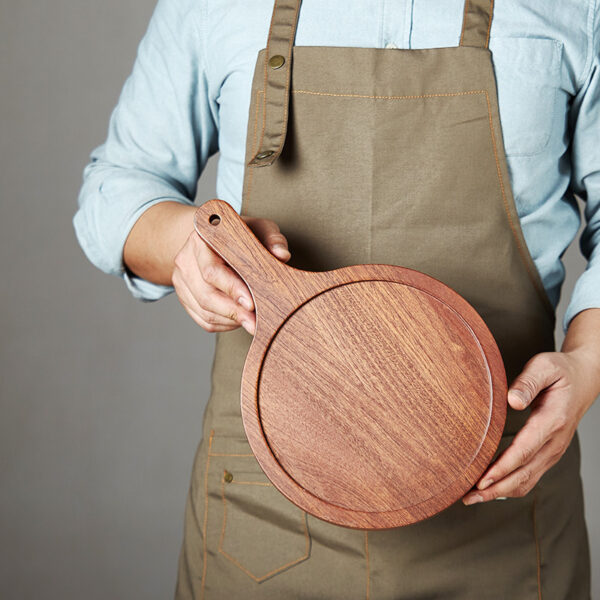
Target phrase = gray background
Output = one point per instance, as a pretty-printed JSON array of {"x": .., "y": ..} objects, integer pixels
[{"x": 101, "y": 395}]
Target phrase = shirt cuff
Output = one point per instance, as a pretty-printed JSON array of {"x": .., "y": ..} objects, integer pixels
[
  {"x": 585, "y": 295},
  {"x": 144, "y": 290}
]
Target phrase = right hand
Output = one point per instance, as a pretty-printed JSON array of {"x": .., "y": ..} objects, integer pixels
[{"x": 211, "y": 292}]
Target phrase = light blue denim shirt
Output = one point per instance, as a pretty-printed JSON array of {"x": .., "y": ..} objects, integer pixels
[{"x": 189, "y": 93}]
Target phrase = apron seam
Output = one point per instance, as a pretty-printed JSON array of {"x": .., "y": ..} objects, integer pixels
[
  {"x": 254, "y": 146},
  {"x": 466, "y": 14},
  {"x": 487, "y": 39},
  {"x": 265, "y": 78},
  {"x": 525, "y": 256},
  {"x": 537, "y": 546},
  {"x": 288, "y": 80},
  {"x": 408, "y": 97},
  {"x": 204, "y": 526},
  {"x": 228, "y": 454},
  {"x": 464, "y": 23},
  {"x": 292, "y": 28},
  {"x": 367, "y": 564},
  {"x": 235, "y": 561}
]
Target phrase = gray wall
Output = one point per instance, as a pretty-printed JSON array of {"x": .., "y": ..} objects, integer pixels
[{"x": 101, "y": 396}]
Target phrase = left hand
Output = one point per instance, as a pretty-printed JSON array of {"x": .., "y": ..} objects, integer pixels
[{"x": 558, "y": 385}]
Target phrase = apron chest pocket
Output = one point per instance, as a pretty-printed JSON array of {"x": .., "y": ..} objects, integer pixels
[
  {"x": 262, "y": 532},
  {"x": 528, "y": 75}
]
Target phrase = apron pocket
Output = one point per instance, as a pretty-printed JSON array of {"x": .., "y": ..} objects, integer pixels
[
  {"x": 262, "y": 533},
  {"x": 528, "y": 69}
]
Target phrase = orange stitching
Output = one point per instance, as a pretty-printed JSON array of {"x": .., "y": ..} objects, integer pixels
[
  {"x": 237, "y": 564},
  {"x": 367, "y": 557},
  {"x": 390, "y": 97},
  {"x": 225, "y": 454},
  {"x": 254, "y": 147},
  {"x": 523, "y": 252},
  {"x": 464, "y": 26},
  {"x": 537, "y": 549},
  {"x": 251, "y": 483},
  {"x": 286, "y": 94},
  {"x": 465, "y": 18},
  {"x": 292, "y": 27},
  {"x": 266, "y": 59},
  {"x": 487, "y": 39},
  {"x": 210, "y": 439}
]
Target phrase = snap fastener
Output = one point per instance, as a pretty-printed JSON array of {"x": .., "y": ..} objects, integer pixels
[
  {"x": 276, "y": 61},
  {"x": 264, "y": 154},
  {"x": 228, "y": 477}
]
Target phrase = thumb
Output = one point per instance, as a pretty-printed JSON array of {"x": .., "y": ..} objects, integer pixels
[
  {"x": 538, "y": 374},
  {"x": 268, "y": 233}
]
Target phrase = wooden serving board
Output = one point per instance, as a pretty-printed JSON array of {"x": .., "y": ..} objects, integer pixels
[{"x": 373, "y": 396}]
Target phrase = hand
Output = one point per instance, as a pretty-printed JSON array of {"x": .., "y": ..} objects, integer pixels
[
  {"x": 560, "y": 386},
  {"x": 210, "y": 291}
]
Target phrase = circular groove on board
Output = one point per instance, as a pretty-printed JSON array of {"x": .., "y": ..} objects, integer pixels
[{"x": 381, "y": 427}]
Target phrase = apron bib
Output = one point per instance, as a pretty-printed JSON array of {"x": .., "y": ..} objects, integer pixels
[{"x": 371, "y": 155}]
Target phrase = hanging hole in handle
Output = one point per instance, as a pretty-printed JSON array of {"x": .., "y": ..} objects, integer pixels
[{"x": 214, "y": 219}]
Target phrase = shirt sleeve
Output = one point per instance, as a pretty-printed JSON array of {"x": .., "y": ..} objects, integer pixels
[
  {"x": 585, "y": 156},
  {"x": 160, "y": 136}
]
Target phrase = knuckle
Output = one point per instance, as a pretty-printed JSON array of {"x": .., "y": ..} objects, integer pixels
[
  {"x": 272, "y": 225},
  {"x": 525, "y": 454},
  {"x": 210, "y": 327},
  {"x": 211, "y": 318},
  {"x": 210, "y": 272},
  {"x": 528, "y": 385},
  {"x": 560, "y": 423},
  {"x": 276, "y": 238},
  {"x": 180, "y": 261},
  {"x": 230, "y": 288},
  {"x": 523, "y": 482},
  {"x": 555, "y": 457}
]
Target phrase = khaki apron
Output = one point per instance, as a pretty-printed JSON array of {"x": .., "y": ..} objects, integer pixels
[{"x": 370, "y": 155}]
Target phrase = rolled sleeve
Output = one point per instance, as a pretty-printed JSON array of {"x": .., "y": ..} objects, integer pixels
[
  {"x": 160, "y": 136},
  {"x": 585, "y": 153}
]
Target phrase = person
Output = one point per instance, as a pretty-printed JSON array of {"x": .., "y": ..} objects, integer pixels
[{"x": 448, "y": 136}]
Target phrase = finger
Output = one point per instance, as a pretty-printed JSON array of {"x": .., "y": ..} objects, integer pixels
[
  {"x": 539, "y": 373},
  {"x": 215, "y": 272},
  {"x": 213, "y": 305},
  {"x": 208, "y": 321},
  {"x": 521, "y": 481},
  {"x": 217, "y": 303},
  {"x": 268, "y": 233},
  {"x": 529, "y": 440}
]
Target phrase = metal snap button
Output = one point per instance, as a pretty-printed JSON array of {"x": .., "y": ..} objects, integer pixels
[
  {"x": 264, "y": 154},
  {"x": 276, "y": 61},
  {"x": 228, "y": 477}
]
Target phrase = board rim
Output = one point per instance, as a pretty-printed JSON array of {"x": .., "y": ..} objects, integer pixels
[{"x": 359, "y": 519}]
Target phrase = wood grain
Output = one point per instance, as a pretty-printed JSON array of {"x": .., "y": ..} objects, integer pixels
[{"x": 373, "y": 396}]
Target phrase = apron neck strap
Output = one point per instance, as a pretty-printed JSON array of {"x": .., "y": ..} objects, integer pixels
[
  {"x": 477, "y": 23},
  {"x": 276, "y": 87}
]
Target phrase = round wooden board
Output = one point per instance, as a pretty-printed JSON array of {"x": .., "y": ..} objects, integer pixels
[
  {"x": 376, "y": 403},
  {"x": 372, "y": 396}
]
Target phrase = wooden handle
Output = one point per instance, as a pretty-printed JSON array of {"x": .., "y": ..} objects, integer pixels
[{"x": 273, "y": 284}]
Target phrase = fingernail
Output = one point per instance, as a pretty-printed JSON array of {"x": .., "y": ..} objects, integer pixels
[
  {"x": 519, "y": 396},
  {"x": 485, "y": 483},
  {"x": 280, "y": 248},
  {"x": 248, "y": 327},
  {"x": 245, "y": 302},
  {"x": 473, "y": 499}
]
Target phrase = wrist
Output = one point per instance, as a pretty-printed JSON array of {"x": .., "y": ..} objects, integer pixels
[{"x": 156, "y": 238}]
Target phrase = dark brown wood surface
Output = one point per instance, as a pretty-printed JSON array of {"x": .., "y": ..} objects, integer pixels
[{"x": 373, "y": 396}]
